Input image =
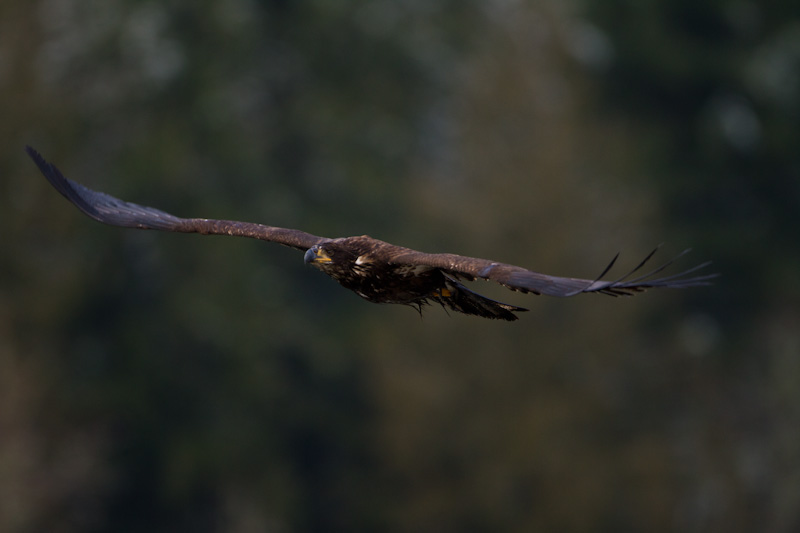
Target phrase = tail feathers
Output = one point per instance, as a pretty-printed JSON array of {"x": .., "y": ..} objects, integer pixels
[{"x": 459, "y": 298}]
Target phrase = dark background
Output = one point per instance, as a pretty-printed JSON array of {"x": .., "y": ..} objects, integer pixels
[{"x": 164, "y": 382}]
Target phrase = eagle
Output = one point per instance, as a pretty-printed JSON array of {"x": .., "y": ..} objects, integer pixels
[{"x": 378, "y": 271}]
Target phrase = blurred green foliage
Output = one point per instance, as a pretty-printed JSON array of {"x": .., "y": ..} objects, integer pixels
[{"x": 170, "y": 382}]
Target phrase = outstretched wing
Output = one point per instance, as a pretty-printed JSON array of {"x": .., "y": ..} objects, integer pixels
[
  {"x": 109, "y": 210},
  {"x": 524, "y": 280}
]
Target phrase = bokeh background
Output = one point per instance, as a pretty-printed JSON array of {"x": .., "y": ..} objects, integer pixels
[{"x": 160, "y": 382}]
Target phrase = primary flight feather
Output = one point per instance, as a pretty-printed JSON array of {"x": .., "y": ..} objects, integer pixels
[{"x": 375, "y": 270}]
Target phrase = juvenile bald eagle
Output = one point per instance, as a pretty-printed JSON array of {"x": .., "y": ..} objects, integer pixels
[{"x": 375, "y": 270}]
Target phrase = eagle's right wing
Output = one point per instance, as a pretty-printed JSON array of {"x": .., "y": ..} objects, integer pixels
[{"x": 110, "y": 210}]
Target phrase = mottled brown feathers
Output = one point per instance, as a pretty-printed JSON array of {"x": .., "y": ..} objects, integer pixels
[{"x": 375, "y": 270}]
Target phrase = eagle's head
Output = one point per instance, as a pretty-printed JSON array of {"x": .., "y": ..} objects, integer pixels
[
  {"x": 316, "y": 256},
  {"x": 330, "y": 257},
  {"x": 347, "y": 260}
]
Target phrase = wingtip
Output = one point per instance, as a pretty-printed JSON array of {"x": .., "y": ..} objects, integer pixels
[
  {"x": 36, "y": 156},
  {"x": 50, "y": 172},
  {"x": 609, "y": 267},
  {"x": 44, "y": 165}
]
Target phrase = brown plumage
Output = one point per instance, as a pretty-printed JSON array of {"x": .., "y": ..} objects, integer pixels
[{"x": 375, "y": 270}]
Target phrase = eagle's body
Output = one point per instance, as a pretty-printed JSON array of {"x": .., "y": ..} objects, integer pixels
[
  {"x": 357, "y": 264},
  {"x": 375, "y": 270},
  {"x": 360, "y": 264}
]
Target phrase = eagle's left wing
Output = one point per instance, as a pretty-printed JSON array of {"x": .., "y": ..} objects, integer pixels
[
  {"x": 110, "y": 210},
  {"x": 524, "y": 280}
]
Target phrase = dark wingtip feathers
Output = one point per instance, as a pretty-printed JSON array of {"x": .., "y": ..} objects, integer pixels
[
  {"x": 60, "y": 183},
  {"x": 50, "y": 172},
  {"x": 627, "y": 286},
  {"x": 104, "y": 207}
]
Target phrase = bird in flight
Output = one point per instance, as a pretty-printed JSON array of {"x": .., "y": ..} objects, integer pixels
[{"x": 375, "y": 270}]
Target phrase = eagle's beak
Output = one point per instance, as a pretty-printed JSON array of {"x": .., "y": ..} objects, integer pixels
[{"x": 315, "y": 255}]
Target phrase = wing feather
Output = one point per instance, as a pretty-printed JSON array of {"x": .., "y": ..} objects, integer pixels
[
  {"x": 521, "y": 279},
  {"x": 113, "y": 211}
]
